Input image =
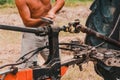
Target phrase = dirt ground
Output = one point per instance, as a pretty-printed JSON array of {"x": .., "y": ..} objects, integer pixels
[{"x": 10, "y": 42}]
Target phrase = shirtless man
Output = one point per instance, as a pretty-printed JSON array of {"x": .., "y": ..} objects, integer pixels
[{"x": 30, "y": 12}]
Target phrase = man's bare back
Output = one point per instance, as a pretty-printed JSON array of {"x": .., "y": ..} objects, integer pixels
[{"x": 31, "y": 10}]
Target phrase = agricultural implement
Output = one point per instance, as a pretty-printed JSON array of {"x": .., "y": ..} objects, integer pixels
[{"x": 54, "y": 68}]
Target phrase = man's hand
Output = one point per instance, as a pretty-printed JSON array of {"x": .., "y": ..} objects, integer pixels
[{"x": 50, "y": 15}]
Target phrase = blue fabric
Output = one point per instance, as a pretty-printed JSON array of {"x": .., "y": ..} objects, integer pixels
[{"x": 102, "y": 19}]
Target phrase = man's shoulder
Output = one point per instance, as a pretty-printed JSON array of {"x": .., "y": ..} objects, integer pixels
[{"x": 20, "y": 2}]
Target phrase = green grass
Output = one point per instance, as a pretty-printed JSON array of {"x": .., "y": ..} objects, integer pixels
[
  {"x": 72, "y": 3},
  {"x": 7, "y": 4},
  {"x": 2, "y": 2}
]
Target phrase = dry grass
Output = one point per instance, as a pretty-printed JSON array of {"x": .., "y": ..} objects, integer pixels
[
  {"x": 9, "y": 37},
  {"x": 8, "y": 10},
  {"x": 88, "y": 73}
]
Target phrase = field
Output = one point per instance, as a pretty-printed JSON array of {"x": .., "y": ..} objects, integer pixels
[{"x": 10, "y": 42}]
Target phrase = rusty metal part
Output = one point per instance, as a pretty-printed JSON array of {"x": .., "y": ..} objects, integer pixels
[
  {"x": 86, "y": 53},
  {"x": 108, "y": 56},
  {"x": 113, "y": 62},
  {"x": 98, "y": 35},
  {"x": 78, "y": 27}
]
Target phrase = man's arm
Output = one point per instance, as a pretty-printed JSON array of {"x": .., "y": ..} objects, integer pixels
[
  {"x": 57, "y": 6},
  {"x": 25, "y": 14}
]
